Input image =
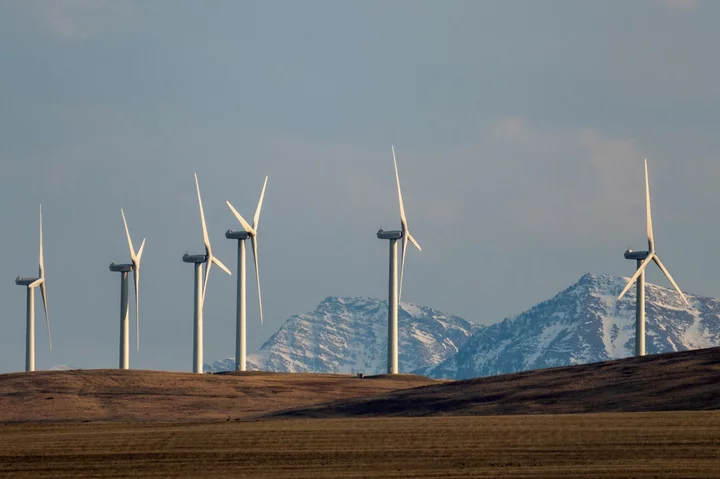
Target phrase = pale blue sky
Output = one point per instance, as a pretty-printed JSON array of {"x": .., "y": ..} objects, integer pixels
[{"x": 520, "y": 129}]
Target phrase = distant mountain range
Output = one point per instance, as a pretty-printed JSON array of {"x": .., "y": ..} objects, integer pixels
[
  {"x": 582, "y": 324},
  {"x": 349, "y": 335}
]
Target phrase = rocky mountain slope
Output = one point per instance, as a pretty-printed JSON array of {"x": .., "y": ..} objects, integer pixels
[
  {"x": 349, "y": 335},
  {"x": 583, "y": 324}
]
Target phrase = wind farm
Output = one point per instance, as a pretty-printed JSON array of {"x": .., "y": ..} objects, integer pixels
[{"x": 430, "y": 286}]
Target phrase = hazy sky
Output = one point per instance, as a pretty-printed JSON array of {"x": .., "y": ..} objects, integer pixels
[{"x": 520, "y": 129}]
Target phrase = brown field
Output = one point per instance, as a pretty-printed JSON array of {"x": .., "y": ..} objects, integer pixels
[
  {"x": 581, "y": 421},
  {"x": 642, "y": 445},
  {"x": 115, "y": 395}
]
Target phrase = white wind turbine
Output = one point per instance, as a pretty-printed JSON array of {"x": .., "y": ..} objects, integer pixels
[
  {"x": 124, "y": 269},
  {"x": 201, "y": 286},
  {"x": 32, "y": 283},
  {"x": 643, "y": 259},
  {"x": 393, "y": 292},
  {"x": 241, "y": 236}
]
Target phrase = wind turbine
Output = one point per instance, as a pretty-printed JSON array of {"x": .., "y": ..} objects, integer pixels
[
  {"x": 643, "y": 259},
  {"x": 201, "y": 286},
  {"x": 393, "y": 293},
  {"x": 241, "y": 236},
  {"x": 32, "y": 283},
  {"x": 124, "y": 269}
]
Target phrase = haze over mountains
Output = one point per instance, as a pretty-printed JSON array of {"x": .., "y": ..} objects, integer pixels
[{"x": 585, "y": 323}]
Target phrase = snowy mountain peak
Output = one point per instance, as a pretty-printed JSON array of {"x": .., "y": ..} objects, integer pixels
[
  {"x": 586, "y": 323},
  {"x": 349, "y": 334}
]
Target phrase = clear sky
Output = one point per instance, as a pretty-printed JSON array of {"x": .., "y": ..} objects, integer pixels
[{"x": 520, "y": 129}]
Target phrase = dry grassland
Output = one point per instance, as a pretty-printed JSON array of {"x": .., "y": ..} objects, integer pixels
[
  {"x": 641, "y": 445},
  {"x": 116, "y": 395}
]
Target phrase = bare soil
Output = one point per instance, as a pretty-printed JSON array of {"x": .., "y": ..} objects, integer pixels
[{"x": 639, "y": 445}]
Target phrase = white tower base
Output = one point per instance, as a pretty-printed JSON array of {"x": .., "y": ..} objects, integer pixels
[
  {"x": 30, "y": 331},
  {"x": 392, "y": 363}
]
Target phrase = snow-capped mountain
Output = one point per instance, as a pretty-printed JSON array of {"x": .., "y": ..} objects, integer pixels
[
  {"x": 585, "y": 323},
  {"x": 349, "y": 335}
]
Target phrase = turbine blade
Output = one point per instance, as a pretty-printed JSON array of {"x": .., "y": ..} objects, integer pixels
[
  {"x": 36, "y": 283},
  {"x": 206, "y": 239},
  {"x": 639, "y": 271},
  {"x": 127, "y": 232},
  {"x": 412, "y": 240},
  {"x": 41, "y": 256},
  {"x": 403, "y": 253},
  {"x": 43, "y": 292},
  {"x": 41, "y": 273},
  {"x": 403, "y": 219},
  {"x": 208, "y": 265},
  {"x": 254, "y": 242},
  {"x": 219, "y": 264},
  {"x": 136, "y": 280},
  {"x": 256, "y": 218},
  {"x": 242, "y": 221},
  {"x": 140, "y": 252},
  {"x": 650, "y": 235},
  {"x": 668, "y": 276}
]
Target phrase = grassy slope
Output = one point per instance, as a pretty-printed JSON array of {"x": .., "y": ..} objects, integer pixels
[{"x": 668, "y": 382}]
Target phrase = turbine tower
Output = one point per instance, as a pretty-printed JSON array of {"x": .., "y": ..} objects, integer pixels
[
  {"x": 393, "y": 292},
  {"x": 124, "y": 269},
  {"x": 32, "y": 283},
  {"x": 201, "y": 286},
  {"x": 241, "y": 236},
  {"x": 643, "y": 259}
]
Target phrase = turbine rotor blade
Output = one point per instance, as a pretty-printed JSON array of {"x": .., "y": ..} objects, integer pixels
[
  {"x": 41, "y": 273},
  {"x": 403, "y": 219},
  {"x": 140, "y": 251},
  {"x": 669, "y": 277},
  {"x": 650, "y": 235},
  {"x": 256, "y": 218},
  {"x": 637, "y": 274},
  {"x": 219, "y": 264},
  {"x": 413, "y": 241},
  {"x": 43, "y": 292},
  {"x": 208, "y": 265},
  {"x": 136, "y": 280},
  {"x": 206, "y": 239},
  {"x": 242, "y": 221},
  {"x": 127, "y": 232},
  {"x": 254, "y": 242}
]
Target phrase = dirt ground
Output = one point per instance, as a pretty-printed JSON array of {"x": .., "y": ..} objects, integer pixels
[{"x": 641, "y": 445}]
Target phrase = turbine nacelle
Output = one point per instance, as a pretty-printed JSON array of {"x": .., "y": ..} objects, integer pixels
[
  {"x": 636, "y": 255},
  {"x": 237, "y": 235},
  {"x": 121, "y": 268},
  {"x": 26, "y": 281},
  {"x": 194, "y": 258},
  {"x": 389, "y": 235}
]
